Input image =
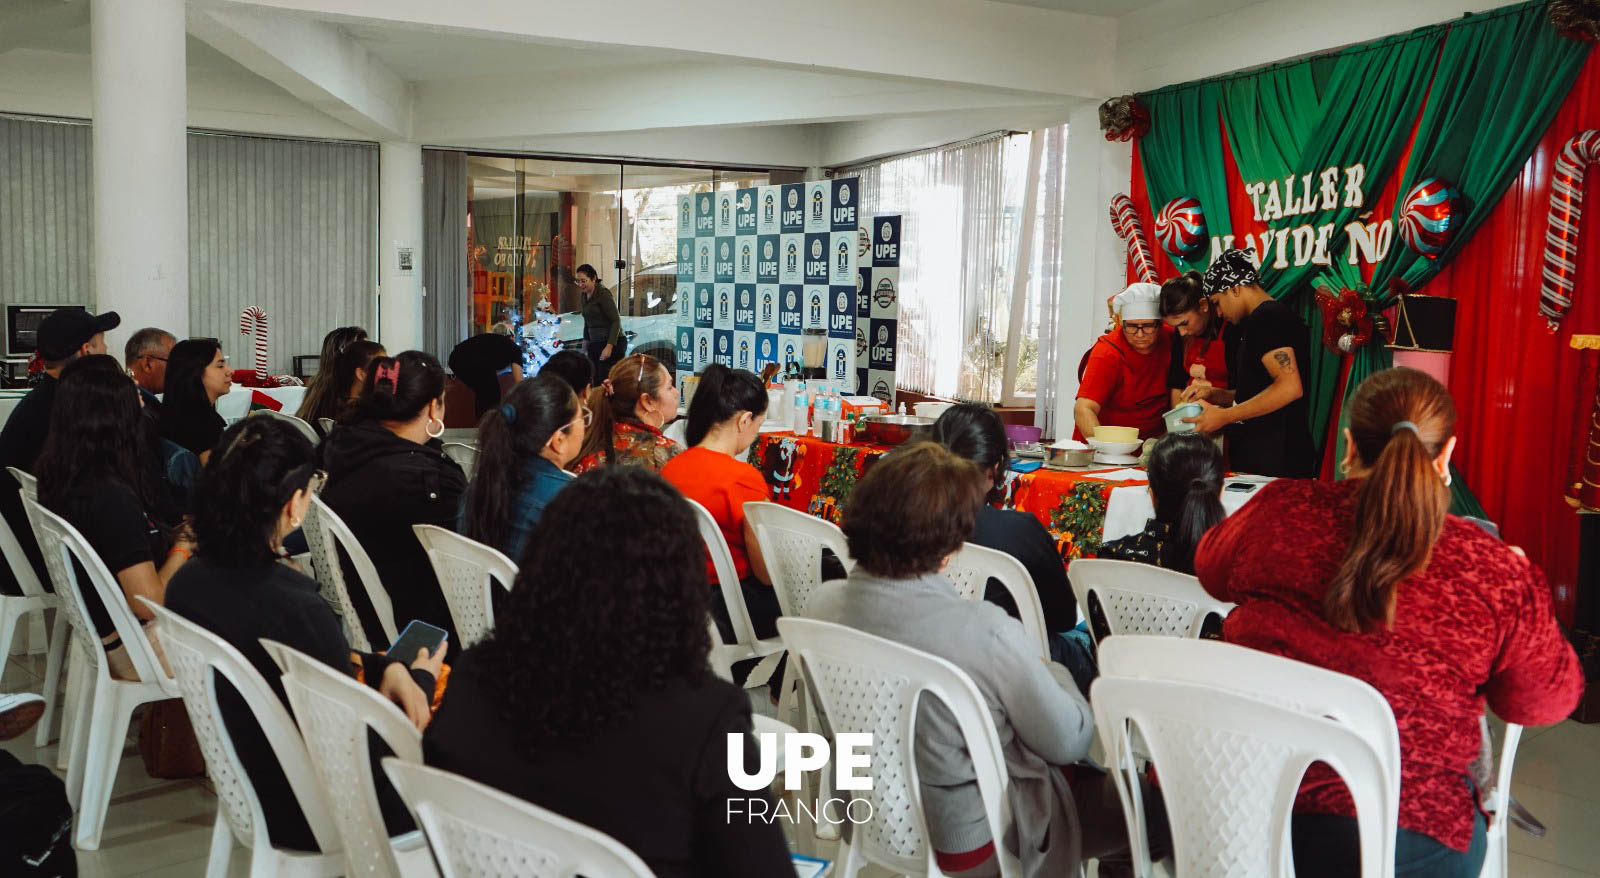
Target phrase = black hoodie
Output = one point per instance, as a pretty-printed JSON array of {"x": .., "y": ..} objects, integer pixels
[{"x": 381, "y": 485}]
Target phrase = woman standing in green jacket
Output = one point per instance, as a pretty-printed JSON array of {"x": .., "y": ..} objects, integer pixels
[{"x": 602, "y": 327}]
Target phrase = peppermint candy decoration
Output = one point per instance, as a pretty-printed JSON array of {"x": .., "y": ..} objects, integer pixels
[
  {"x": 254, "y": 321},
  {"x": 1427, "y": 217},
  {"x": 1181, "y": 227},
  {"x": 1561, "y": 235}
]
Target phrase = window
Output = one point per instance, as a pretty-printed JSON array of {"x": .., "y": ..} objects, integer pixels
[
  {"x": 972, "y": 326},
  {"x": 532, "y": 222}
]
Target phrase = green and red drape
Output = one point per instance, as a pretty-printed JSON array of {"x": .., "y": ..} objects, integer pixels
[{"x": 1485, "y": 102}]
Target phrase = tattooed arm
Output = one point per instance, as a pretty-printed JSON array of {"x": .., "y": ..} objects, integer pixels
[{"x": 1284, "y": 389}]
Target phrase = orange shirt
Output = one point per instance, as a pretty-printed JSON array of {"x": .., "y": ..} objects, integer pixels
[
  {"x": 1131, "y": 387},
  {"x": 722, "y": 484}
]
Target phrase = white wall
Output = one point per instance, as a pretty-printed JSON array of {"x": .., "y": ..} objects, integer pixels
[{"x": 1179, "y": 40}]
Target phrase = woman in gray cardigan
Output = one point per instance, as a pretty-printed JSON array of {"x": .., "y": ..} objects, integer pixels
[{"x": 906, "y": 517}]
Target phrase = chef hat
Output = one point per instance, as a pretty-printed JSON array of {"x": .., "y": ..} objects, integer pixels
[
  {"x": 1138, "y": 302},
  {"x": 1231, "y": 268}
]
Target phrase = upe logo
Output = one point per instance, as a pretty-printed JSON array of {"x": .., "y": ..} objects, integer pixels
[
  {"x": 705, "y": 259},
  {"x": 816, "y": 249},
  {"x": 838, "y": 364},
  {"x": 887, "y": 232},
  {"x": 884, "y": 294},
  {"x": 802, "y": 752},
  {"x": 722, "y": 345},
  {"x": 766, "y": 250},
  {"x": 794, "y": 198},
  {"x": 722, "y": 252},
  {"x": 766, "y": 349},
  {"x": 844, "y": 194},
  {"x": 744, "y": 354},
  {"x": 723, "y": 302},
  {"x": 705, "y": 205},
  {"x": 844, "y": 256},
  {"x": 766, "y": 307},
  {"x": 788, "y": 301},
  {"x": 703, "y": 350},
  {"x": 684, "y": 250},
  {"x": 816, "y": 309},
  {"x": 842, "y": 302},
  {"x": 766, "y": 208},
  {"x": 816, "y": 205},
  {"x": 744, "y": 258},
  {"x": 727, "y": 203},
  {"x": 791, "y": 257},
  {"x": 683, "y": 214}
]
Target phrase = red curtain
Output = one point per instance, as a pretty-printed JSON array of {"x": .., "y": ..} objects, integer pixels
[
  {"x": 1524, "y": 396},
  {"x": 1522, "y": 393}
]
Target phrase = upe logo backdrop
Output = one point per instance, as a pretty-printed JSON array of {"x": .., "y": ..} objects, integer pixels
[
  {"x": 725, "y": 227},
  {"x": 745, "y": 271},
  {"x": 723, "y": 268},
  {"x": 744, "y": 221},
  {"x": 841, "y": 313},
  {"x": 744, "y": 308},
  {"x": 767, "y": 217},
  {"x": 767, "y": 308},
  {"x": 816, "y": 259},
  {"x": 724, "y": 306},
  {"x": 724, "y": 352},
  {"x": 802, "y": 752},
  {"x": 816, "y": 308}
]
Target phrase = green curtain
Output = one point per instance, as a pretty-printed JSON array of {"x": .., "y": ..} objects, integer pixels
[{"x": 1182, "y": 156}]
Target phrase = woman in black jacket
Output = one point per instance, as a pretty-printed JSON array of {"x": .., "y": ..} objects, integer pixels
[
  {"x": 386, "y": 472},
  {"x": 254, "y": 492},
  {"x": 593, "y": 697},
  {"x": 197, "y": 376},
  {"x": 977, "y": 433}
]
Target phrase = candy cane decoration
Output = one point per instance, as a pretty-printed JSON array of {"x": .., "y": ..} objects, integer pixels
[
  {"x": 254, "y": 320},
  {"x": 1125, "y": 219},
  {"x": 1561, "y": 236}
]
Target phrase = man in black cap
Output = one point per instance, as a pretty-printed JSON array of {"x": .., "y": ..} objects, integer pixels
[
  {"x": 1265, "y": 415},
  {"x": 64, "y": 336}
]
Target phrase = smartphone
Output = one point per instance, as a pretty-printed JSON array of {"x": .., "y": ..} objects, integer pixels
[
  {"x": 417, "y": 635},
  {"x": 1242, "y": 487}
]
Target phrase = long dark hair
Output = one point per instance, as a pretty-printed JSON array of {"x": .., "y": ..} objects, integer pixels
[
  {"x": 96, "y": 433},
  {"x": 976, "y": 433},
  {"x": 637, "y": 375},
  {"x": 1400, "y": 420},
  {"x": 186, "y": 371},
  {"x": 398, "y": 388},
  {"x": 568, "y": 658},
  {"x": 723, "y": 393},
  {"x": 259, "y": 464},
  {"x": 359, "y": 355},
  {"x": 322, "y": 383},
  {"x": 1186, "y": 475},
  {"x": 537, "y": 408}
]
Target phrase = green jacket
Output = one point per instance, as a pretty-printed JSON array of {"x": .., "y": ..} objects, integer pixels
[{"x": 600, "y": 319}]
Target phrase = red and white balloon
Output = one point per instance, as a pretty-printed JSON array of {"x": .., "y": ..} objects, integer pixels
[
  {"x": 1181, "y": 227},
  {"x": 1427, "y": 217},
  {"x": 1561, "y": 233}
]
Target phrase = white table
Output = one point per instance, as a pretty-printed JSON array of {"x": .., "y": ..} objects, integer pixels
[
  {"x": 8, "y": 401},
  {"x": 1128, "y": 508}
]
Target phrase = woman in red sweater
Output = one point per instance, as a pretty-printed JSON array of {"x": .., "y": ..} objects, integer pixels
[{"x": 1370, "y": 577}]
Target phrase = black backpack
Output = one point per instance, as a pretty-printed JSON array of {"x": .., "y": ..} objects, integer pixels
[{"x": 35, "y": 821}]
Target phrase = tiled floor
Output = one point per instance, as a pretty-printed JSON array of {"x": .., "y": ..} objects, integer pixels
[{"x": 162, "y": 829}]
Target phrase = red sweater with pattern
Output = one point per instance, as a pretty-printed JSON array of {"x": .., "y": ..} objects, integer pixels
[{"x": 1475, "y": 626}]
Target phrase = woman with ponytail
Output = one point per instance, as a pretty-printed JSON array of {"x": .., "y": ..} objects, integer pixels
[
  {"x": 630, "y": 407},
  {"x": 524, "y": 445},
  {"x": 725, "y": 417},
  {"x": 1186, "y": 489},
  {"x": 1371, "y": 577},
  {"x": 386, "y": 472}
]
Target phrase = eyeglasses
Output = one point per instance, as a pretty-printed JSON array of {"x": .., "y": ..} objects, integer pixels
[
  {"x": 1141, "y": 328},
  {"x": 152, "y": 357}
]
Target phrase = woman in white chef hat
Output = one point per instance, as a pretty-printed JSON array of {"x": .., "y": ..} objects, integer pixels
[{"x": 1124, "y": 382}]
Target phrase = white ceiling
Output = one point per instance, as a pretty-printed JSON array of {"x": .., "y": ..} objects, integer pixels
[
  {"x": 1109, "y": 8},
  {"x": 418, "y": 55}
]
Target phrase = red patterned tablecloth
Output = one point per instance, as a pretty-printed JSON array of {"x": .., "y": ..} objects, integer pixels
[{"x": 816, "y": 477}]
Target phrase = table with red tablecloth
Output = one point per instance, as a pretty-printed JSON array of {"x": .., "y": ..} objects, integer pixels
[{"x": 816, "y": 477}]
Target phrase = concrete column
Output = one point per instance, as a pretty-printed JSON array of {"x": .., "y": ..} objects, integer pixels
[
  {"x": 1093, "y": 257},
  {"x": 141, "y": 175},
  {"x": 400, "y": 227}
]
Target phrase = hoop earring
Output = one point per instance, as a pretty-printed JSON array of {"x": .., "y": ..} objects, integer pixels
[
  {"x": 430, "y": 431},
  {"x": 1344, "y": 467},
  {"x": 1447, "y": 478}
]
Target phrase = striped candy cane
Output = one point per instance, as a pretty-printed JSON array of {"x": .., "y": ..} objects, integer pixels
[
  {"x": 1561, "y": 235},
  {"x": 254, "y": 320},
  {"x": 1126, "y": 222}
]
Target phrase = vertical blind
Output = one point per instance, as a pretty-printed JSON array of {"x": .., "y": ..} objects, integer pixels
[
  {"x": 447, "y": 308},
  {"x": 287, "y": 225},
  {"x": 46, "y": 213}
]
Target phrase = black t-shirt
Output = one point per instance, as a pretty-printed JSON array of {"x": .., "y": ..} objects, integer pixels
[
  {"x": 109, "y": 515},
  {"x": 1277, "y": 443},
  {"x": 197, "y": 430},
  {"x": 21, "y": 440},
  {"x": 1021, "y": 536}
]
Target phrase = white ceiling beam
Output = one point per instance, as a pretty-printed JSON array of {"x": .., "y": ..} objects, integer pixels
[
  {"x": 852, "y": 142},
  {"x": 760, "y": 146},
  {"x": 958, "y": 42},
  {"x": 677, "y": 95},
  {"x": 318, "y": 63}
]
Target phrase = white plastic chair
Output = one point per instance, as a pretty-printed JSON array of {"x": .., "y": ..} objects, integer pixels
[
  {"x": 868, "y": 684},
  {"x": 15, "y": 608},
  {"x": 467, "y": 571},
  {"x": 304, "y": 427},
  {"x": 60, "y": 634},
  {"x": 326, "y": 533},
  {"x": 334, "y": 713},
  {"x": 479, "y": 832},
  {"x": 1142, "y": 598},
  {"x": 465, "y": 456},
  {"x": 1497, "y": 801},
  {"x": 745, "y": 645},
  {"x": 198, "y": 658},
  {"x": 104, "y": 705},
  {"x": 792, "y": 543},
  {"x": 326, "y": 424},
  {"x": 1298, "y": 686},
  {"x": 973, "y": 567}
]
